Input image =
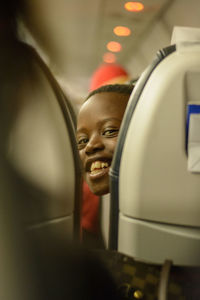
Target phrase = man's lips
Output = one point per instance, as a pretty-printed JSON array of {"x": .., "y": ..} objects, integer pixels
[{"x": 97, "y": 173}]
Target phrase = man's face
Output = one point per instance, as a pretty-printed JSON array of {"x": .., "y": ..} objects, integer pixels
[{"x": 98, "y": 126}]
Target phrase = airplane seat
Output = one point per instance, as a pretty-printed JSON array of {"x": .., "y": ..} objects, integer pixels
[
  {"x": 40, "y": 173},
  {"x": 155, "y": 180},
  {"x": 38, "y": 140}
]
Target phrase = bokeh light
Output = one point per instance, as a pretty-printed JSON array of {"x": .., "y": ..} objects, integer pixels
[
  {"x": 122, "y": 31},
  {"x": 134, "y": 6},
  {"x": 114, "y": 46},
  {"x": 109, "y": 58}
]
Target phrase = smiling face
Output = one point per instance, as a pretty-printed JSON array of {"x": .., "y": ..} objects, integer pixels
[{"x": 98, "y": 122}]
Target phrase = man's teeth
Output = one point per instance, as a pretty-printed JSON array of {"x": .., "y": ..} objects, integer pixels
[{"x": 98, "y": 165}]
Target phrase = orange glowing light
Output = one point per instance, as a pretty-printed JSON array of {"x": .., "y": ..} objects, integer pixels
[
  {"x": 122, "y": 31},
  {"x": 109, "y": 58},
  {"x": 134, "y": 6},
  {"x": 114, "y": 46}
]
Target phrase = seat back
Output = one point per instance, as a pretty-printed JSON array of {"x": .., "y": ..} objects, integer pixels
[
  {"x": 155, "y": 187},
  {"x": 42, "y": 149},
  {"x": 40, "y": 173}
]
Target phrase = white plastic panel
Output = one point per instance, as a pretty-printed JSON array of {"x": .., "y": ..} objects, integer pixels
[
  {"x": 156, "y": 242},
  {"x": 154, "y": 182}
]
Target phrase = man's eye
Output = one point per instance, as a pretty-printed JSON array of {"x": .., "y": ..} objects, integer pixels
[
  {"x": 82, "y": 142},
  {"x": 111, "y": 132}
]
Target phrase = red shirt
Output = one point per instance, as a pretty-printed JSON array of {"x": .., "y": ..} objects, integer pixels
[{"x": 90, "y": 210}]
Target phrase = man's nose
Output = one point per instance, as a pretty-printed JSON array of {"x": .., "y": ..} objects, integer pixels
[{"x": 94, "y": 144}]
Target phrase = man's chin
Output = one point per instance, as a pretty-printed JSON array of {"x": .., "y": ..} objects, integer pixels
[
  {"x": 99, "y": 191},
  {"x": 99, "y": 186}
]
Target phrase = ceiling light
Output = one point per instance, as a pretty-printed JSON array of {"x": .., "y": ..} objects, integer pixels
[
  {"x": 109, "y": 58},
  {"x": 114, "y": 46},
  {"x": 122, "y": 31},
  {"x": 134, "y": 6}
]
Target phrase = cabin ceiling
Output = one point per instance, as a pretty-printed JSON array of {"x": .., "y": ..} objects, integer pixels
[{"x": 72, "y": 34}]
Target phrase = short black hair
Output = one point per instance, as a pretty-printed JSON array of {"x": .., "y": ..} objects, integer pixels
[{"x": 115, "y": 88}]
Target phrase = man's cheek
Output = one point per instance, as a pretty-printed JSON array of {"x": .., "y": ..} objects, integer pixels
[
  {"x": 81, "y": 155},
  {"x": 81, "y": 160},
  {"x": 112, "y": 145}
]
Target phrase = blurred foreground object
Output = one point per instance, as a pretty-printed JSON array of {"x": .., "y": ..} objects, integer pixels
[
  {"x": 139, "y": 279},
  {"x": 39, "y": 140},
  {"x": 40, "y": 173}
]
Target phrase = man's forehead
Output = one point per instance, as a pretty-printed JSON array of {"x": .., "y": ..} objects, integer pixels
[{"x": 110, "y": 95}]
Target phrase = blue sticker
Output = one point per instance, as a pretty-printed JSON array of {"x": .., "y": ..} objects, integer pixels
[{"x": 192, "y": 109}]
